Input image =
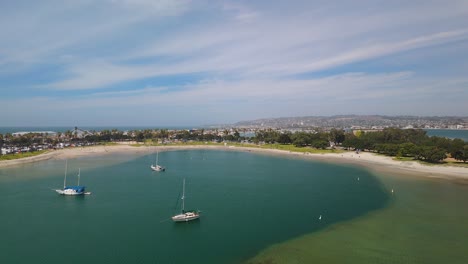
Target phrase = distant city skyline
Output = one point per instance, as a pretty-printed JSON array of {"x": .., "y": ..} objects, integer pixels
[{"x": 192, "y": 63}]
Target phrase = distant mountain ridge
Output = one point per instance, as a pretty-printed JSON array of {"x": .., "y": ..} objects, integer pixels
[{"x": 367, "y": 121}]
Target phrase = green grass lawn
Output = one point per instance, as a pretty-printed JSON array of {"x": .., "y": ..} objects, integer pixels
[
  {"x": 291, "y": 148},
  {"x": 21, "y": 155},
  {"x": 107, "y": 144},
  {"x": 446, "y": 162}
]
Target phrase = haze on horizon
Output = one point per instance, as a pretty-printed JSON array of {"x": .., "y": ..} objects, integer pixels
[{"x": 182, "y": 62}]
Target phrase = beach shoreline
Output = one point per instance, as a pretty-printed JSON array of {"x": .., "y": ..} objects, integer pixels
[{"x": 373, "y": 162}]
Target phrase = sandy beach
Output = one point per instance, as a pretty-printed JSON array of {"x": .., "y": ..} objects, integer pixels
[{"x": 374, "y": 162}]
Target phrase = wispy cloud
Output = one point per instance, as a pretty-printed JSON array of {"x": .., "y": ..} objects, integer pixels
[
  {"x": 246, "y": 62},
  {"x": 244, "y": 53},
  {"x": 49, "y": 29},
  {"x": 232, "y": 100}
]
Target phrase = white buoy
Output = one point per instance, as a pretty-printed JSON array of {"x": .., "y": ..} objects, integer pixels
[
  {"x": 392, "y": 191},
  {"x": 358, "y": 178},
  {"x": 320, "y": 217}
]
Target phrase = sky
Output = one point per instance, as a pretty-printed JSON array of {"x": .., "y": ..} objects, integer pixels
[{"x": 191, "y": 63}]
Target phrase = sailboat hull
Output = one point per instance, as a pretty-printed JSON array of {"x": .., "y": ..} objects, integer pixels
[
  {"x": 157, "y": 168},
  {"x": 70, "y": 192},
  {"x": 189, "y": 216}
]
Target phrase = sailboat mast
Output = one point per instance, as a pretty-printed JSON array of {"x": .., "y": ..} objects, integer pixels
[
  {"x": 65, "y": 179},
  {"x": 78, "y": 177},
  {"x": 183, "y": 197}
]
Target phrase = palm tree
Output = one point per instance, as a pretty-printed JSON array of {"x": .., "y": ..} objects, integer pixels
[
  {"x": 68, "y": 135},
  {"x": 8, "y": 136},
  {"x": 1, "y": 143}
]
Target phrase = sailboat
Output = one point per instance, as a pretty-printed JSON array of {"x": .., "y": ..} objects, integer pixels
[
  {"x": 72, "y": 190},
  {"x": 185, "y": 216},
  {"x": 157, "y": 167}
]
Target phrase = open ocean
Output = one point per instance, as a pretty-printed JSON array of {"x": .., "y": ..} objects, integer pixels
[
  {"x": 256, "y": 208},
  {"x": 4, "y": 130}
]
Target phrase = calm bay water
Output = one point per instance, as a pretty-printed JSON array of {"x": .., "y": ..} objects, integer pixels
[
  {"x": 426, "y": 222},
  {"x": 448, "y": 133},
  {"x": 249, "y": 202}
]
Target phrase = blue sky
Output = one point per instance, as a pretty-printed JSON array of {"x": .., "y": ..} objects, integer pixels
[{"x": 182, "y": 62}]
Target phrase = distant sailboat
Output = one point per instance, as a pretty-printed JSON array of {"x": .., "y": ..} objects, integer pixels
[
  {"x": 72, "y": 190},
  {"x": 185, "y": 216},
  {"x": 157, "y": 167}
]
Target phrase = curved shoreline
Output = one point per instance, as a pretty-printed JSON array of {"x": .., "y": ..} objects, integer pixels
[{"x": 374, "y": 162}]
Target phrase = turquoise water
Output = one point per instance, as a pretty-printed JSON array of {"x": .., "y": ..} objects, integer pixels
[
  {"x": 448, "y": 133},
  {"x": 426, "y": 222},
  {"x": 248, "y": 202}
]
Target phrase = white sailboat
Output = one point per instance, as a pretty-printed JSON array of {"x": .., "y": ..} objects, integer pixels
[
  {"x": 72, "y": 190},
  {"x": 157, "y": 167},
  {"x": 185, "y": 216}
]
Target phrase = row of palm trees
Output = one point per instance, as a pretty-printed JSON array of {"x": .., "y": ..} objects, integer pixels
[{"x": 117, "y": 135}]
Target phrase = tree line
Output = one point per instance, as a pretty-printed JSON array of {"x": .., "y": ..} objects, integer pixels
[
  {"x": 408, "y": 143},
  {"x": 397, "y": 142},
  {"x": 117, "y": 135},
  {"x": 413, "y": 143}
]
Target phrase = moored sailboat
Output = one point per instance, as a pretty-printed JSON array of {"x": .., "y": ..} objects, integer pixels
[
  {"x": 157, "y": 167},
  {"x": 185, "y": 216},
  {"x": 72, "y": 190}
]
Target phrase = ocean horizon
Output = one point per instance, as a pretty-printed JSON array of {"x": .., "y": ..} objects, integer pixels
[{"x": 13, "y": 129}]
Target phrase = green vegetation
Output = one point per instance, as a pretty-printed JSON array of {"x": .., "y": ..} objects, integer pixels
[
  {"x": 412, "y": 143},
  {"x": 289, "y": 147},
  {"x": 293, "y": 148},
  {"x": 109, "y": 143},
  {"x": 21, "y": 155},
  {"x": 446, "y": 162},
  {"x": 318, "y": 140},
  {"x": 400, "y": 143}
]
